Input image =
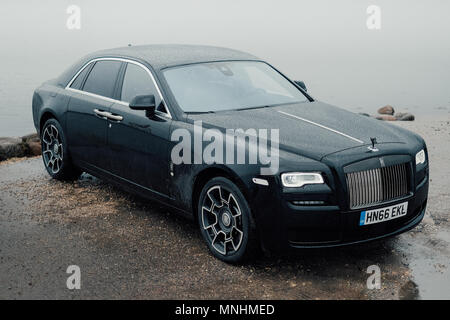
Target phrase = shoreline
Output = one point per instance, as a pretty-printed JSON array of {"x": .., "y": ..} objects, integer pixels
[{"x": 29, "y": 145}]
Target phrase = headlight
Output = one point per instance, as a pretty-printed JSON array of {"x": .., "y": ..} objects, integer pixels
[
  {"x": 299, "y": 179},
  {"x": 420, "y": 157}
]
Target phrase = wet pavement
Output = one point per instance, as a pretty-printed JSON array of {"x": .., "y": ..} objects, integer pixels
[{"x": 127, "y": 247}]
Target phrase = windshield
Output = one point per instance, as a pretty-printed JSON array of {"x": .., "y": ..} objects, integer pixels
[{"x": 231, "y": 85}]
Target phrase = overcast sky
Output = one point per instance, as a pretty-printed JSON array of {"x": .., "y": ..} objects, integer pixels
[{"x": 325, "y": 43}]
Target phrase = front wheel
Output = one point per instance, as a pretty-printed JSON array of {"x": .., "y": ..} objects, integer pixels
[
  {"x": 225, "y": 222},
  {"x": 55, "y": 153}
]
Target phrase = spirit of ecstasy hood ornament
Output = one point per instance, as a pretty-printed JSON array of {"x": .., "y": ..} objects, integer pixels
[{"x": 372, "y": 147}]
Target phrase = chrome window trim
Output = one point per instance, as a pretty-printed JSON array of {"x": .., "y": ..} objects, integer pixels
[
  {"x": 165, "y": 114},
  {"x": 98, "y": 96}
]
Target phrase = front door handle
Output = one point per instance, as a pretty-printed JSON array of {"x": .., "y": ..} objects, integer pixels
[
  {"x": 101, "y": 113},
  {"x": 115, "y": 117}
]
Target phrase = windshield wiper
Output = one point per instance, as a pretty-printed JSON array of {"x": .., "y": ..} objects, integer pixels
[
  {"x": 249, "y": 108},
  {"x": 268, "y": 106}
]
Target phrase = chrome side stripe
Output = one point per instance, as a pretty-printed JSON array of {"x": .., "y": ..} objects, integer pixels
[{"x": 321, "y": 126}]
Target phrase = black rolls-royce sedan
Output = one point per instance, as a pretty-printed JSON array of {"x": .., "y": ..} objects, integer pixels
[{"x": 157, "y": 120}]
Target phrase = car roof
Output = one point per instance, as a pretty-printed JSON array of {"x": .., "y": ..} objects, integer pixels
[
  {"x": 168, "y": 55},
  {"x": 159, "y": 56}
]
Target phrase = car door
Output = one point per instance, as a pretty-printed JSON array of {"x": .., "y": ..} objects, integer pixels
[
  {"x": 91, "y": 100},
  {"x": 139, "y": 144}
]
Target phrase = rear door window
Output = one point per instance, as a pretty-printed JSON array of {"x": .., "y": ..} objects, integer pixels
[
  {"x": 78, "y": 82},
  {"x": 102, "y": 78}
]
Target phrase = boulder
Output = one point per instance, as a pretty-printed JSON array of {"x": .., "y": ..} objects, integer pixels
[
  {"x": 34, "y": 148},
  {"x": 33, "y": 137},
  {"x": 33, "y": 144},
  {"x": 386, "y": 110},
  {"x": 403, "y": 116},
  {"x": 386, "y": 117},
  {"x": 11, "y": 148}
]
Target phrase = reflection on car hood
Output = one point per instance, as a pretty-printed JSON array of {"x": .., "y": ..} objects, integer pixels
[{"x": 312, "y": 129}]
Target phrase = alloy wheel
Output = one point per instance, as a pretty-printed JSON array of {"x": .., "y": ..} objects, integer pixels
[
  {"x": 52, "y": 149},
  {"x": 222, "y": 220}
]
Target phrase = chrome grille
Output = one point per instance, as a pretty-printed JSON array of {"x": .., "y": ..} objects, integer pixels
[{"x": 374, "y": 186}]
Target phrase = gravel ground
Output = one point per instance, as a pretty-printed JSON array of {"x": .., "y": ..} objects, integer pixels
[{"x": 131, "y": 248}]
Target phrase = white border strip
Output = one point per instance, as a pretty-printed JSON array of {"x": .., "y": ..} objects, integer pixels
[{"x": 321, "y": 126}]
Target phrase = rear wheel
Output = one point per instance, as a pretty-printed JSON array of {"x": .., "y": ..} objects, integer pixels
[
  {"x": 224, "y": 219},
  {"x": 54, "y": 152}
]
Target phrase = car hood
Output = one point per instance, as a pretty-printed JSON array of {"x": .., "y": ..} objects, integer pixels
[{"x": 312, "y": 129}]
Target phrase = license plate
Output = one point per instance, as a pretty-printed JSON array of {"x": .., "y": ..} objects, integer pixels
[{"x": 383, "y": 214}]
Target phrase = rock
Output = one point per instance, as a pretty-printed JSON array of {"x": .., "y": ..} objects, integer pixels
[
  {"x": 33, "y": 137},
  {"x": 29, "y": 145},
  {"x": 386, "y": 117},
  {"x": 11, "y": 148},
  {"x": 403, "y": 116},
  {"x": 364, "y": 114},
  {"x": 34, "y": 148},
  {"x": 33, "y": 144},
  {"x": 409, "y": 291},
  {"x": 386, "y": 110}
]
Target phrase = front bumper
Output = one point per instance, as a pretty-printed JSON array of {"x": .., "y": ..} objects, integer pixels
[{"x": 283, "y": 226}]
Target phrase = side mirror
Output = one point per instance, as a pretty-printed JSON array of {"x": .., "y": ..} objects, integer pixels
[
  {"x": 144, "y": 102},
  {"x": 301, "y": 84}
]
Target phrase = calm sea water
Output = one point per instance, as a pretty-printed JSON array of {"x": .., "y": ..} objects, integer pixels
[
  {"x": 325, "y": 43},
  {"x": 354, "y": 91}
]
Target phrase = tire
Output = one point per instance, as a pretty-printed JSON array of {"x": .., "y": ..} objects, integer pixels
[
  {"x": 55, "y": 153},
  {"x": 225, "y": 221}
]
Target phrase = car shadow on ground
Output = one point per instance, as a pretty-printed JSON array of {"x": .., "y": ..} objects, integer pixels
[
  {"x": 348, "y": 262},
  {"x": 381, "y": 249}
]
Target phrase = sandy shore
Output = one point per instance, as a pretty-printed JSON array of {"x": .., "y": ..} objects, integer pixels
[{"x": 127, "y": 247}]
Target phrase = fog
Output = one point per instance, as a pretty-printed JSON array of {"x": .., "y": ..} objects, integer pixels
[{"x": 327, "y": 44}]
